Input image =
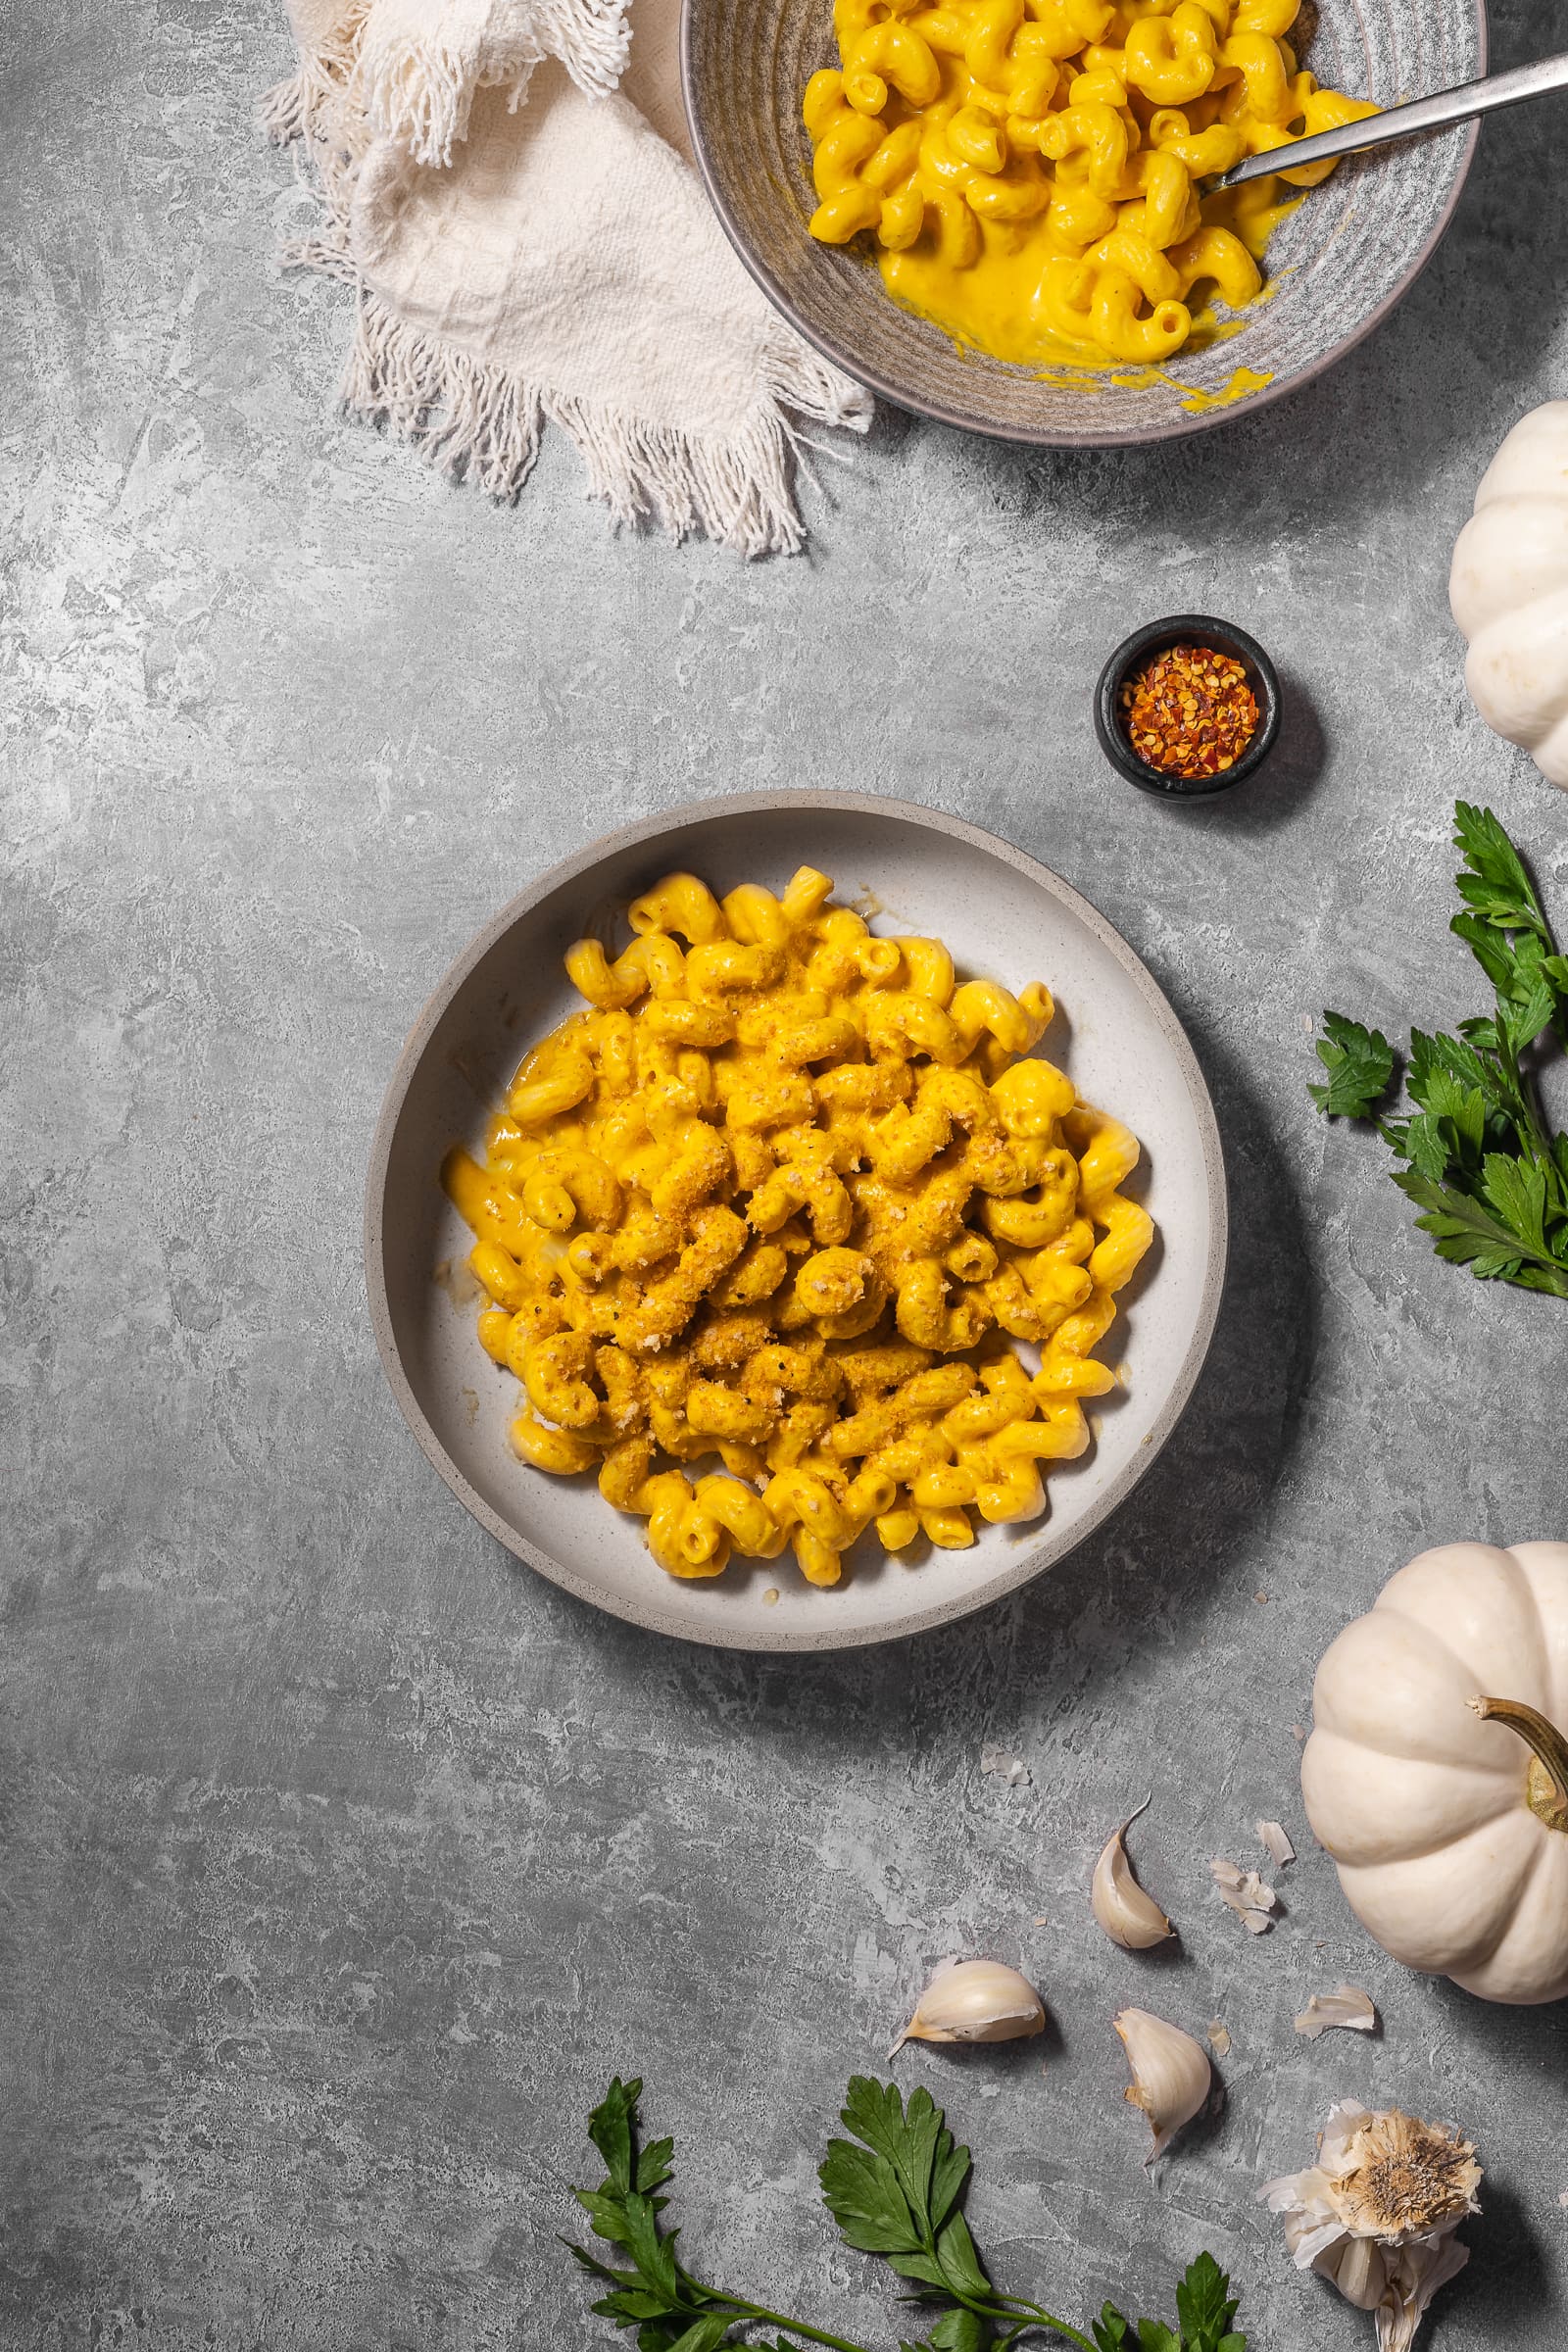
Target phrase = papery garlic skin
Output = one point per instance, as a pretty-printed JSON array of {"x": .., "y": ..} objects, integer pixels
[
  {"x": 1171, "y": 2074},
  {"x": 1005, "y": 1766},
  {"x": 1128, "y": 1914},
  {"x": 1244, "y": 1893},
  {"x": 1347, "y": 2006},
  {"x": 975, "y": 2000},
  {"x": 1275, "y": 1840},
  {"x": 1386, "y": 2186}
]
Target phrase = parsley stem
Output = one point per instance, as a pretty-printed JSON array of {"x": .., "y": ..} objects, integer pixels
[
  {"x": 1038, "y": 2318},
  {"x": 1033, "y": 2317},
  {"x": 779, "y": 2318}
]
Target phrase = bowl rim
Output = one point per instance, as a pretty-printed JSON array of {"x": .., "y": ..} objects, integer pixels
[
  {"x": 1157, "y": 636},
  {"x": 1185, "y": 423},
  {"x": 643, "y": 1611}
]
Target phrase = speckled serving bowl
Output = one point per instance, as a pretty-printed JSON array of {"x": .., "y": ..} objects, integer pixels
[
  {"x": 1339, "y": 263},
  {"x": 1004, "y": 916}
]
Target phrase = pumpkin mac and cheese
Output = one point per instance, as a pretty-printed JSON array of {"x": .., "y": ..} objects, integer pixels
[
  {"x": 1030, "y": 169},
  {"x": 785, "y": 1195}
]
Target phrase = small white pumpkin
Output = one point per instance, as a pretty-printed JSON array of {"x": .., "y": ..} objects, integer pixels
[
  {"x": 1509, "y": 590},
  {"x": 1449, "y": 1830}
]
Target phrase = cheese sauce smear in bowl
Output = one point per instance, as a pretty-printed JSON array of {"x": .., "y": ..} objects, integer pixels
[{"x": 1031, "y": 170}]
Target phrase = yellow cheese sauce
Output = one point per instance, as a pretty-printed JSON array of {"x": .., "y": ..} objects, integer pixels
[
  {"x": 1031, "y": 170},
  {"x": 788, "y": 1196},
  {"x": 1242, "y": 381},
  {"x": 998, "y": 303}
]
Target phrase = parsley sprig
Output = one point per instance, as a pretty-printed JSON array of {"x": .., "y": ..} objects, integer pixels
[
  {"x": 895, "y": 2189},
  {"x": 1490, "y": 1181}
]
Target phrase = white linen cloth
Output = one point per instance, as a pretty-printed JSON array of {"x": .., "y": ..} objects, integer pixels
[{"x": 524, "y": 245}]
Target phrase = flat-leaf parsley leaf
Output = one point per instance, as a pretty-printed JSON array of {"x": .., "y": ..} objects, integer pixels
[
  {"x": 1491, "y": 1182},
  {"x": 895, "y": 2188},
  {"x": 1359, "y": 1063}
]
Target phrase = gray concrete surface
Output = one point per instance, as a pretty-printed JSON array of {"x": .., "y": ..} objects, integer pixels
[{"x": 344, "y": 1860}]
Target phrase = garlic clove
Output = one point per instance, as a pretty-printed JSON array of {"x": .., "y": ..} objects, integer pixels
[
  {"x": 975, "y": 2000},
  {"x": 1171, "y": 2075},
  {"x": 1358, "y": 2269},
  {"x": 1129, "y": 1915}
]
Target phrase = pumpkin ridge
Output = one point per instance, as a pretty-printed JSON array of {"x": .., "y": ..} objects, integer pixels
[
  {"x": 1390, "y": 1921},
  {"x": 1510, "y": 1915},
  {"x": 1541, "y": 1641},
  {"x": 1439, "y": 1845},
  {"x": 1397, "y": 1832},
  {"x": 1554, "y": 1653},
  {"x": 1495, "y": 656},
  {"x": 1516, "y": 1964},
  {"x": 1501, "y": 1770},
  {"x": 1465, "y": 1665}
]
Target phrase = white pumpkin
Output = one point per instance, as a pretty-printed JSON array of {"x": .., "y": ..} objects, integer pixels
[
  {"x": 1451, "y": 1832},
  {"x": 1509, "y": 590}
]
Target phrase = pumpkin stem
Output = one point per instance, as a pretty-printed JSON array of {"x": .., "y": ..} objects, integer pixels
[{"x": 1547, "y": 1789}]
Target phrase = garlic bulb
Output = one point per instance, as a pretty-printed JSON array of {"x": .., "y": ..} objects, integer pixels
[
  {"x": 1171, "y": 2075},
  {"x": 1129, "y": 1916},
  {"x": 1378, "y": 2211},
  {"x": 975, "y": 2000}
]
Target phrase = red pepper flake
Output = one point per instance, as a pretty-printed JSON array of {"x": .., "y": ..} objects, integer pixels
[{"x": 1188, "y": 713}]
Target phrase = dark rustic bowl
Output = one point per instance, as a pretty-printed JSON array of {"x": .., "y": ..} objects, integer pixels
[
  {"x": 1156, "y": 637},
  {"x": 1341, "y": 261}
]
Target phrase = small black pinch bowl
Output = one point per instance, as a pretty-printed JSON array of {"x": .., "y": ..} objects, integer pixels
[{"x": 1186, "y": 628}]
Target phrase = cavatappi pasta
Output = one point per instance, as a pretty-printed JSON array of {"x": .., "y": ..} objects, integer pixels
[
  {"x": 1029, "y": 168},
  {"x": 784, "y": 1195}
]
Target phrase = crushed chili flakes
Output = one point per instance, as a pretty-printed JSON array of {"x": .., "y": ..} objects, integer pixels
[{"x": 1189, "y": 712}]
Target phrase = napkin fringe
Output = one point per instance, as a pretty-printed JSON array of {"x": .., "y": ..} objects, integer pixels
[
  {"x": 297, "y": 107},
  {"x": 421, "y": 92},
  {"x": 473, "y": 419},
  {"x": 466, "y": 417},
  {"x": 281, "y": 111}
]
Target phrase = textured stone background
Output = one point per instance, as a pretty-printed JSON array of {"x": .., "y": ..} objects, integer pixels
[{"x": 344, "y": 1860}]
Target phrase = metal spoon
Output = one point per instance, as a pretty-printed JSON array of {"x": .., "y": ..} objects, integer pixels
[{"x": 1402, "y": 121}]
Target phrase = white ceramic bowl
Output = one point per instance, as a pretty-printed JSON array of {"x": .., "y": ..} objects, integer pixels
[{"x": 1004, "y": 916}]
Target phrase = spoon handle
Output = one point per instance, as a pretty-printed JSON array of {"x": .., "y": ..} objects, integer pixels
[{"x": 1400, "y": 121}]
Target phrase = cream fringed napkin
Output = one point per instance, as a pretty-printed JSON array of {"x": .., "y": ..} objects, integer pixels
[{"x": 524, "y": 245}]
